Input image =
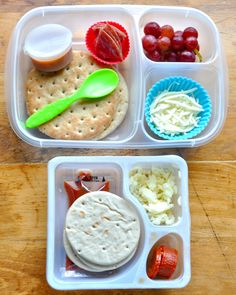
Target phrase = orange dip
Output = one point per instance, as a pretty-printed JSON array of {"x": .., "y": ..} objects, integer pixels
[{"x": 54, "y": 64}]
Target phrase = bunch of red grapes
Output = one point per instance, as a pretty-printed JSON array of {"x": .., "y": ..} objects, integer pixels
[{"x": 165, "y": 44}]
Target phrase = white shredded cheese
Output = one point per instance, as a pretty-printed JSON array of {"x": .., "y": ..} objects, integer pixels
[
  {"x": 155, "y": 189},
  {"x": 175, "y": 112}
]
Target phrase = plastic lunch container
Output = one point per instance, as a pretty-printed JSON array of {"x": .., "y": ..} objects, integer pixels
[
  {"x": 140, "y": 73},
  {"x": 133, "y": 274}
]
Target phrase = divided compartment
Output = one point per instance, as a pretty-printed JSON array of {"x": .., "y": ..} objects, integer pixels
[
  {"x": 58, "y": 199},
  {"x": 133, "y": 274},
  {"x": 139, "y": 72},
  {"x": 180, "y": 18},
  {"x": 78, "y": 19},
  {"x": 203, "y": 74},
  {"x": 173, "y": 240},
  {"x": 176, "y": 241},
  {"x": 209, "y": 73},
  {"x": 179, "y": 199}
]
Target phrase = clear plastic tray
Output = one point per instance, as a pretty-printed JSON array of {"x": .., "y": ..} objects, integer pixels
[
  {"x": 139, "y": 72},
  {"x": 133, "y": 274}
]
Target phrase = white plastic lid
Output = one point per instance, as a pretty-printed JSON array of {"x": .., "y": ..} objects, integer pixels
[{"x": 48, "y": 42}]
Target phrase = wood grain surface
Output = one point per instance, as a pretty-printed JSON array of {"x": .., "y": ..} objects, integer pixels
[{"x": 212, "y": 181}]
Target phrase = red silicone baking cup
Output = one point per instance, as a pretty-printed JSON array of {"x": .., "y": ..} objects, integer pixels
[{"x": 90, "y": 38}]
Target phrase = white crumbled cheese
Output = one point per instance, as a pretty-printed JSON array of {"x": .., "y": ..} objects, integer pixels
[
  {"x": 147, "y": 194},
  {"x": 155, "y": 189},
  {"x": 159, "y": 207},
  {"x": 175, "y": 112}
]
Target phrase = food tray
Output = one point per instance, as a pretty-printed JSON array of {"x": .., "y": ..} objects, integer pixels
[
  {"x": 132, "y": 275},
  {"x": 140, "y": 73}
]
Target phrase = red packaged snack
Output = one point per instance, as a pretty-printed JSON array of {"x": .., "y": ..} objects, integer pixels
[
  {"x": 108, "y": 42},
  {"x": 85, "y": 183}
]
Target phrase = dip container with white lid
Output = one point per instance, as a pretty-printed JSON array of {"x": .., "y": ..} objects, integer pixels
[{"x": 49, "y": 47}]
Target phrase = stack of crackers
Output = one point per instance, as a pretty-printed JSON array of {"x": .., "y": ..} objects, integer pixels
[
  {"x": 102, "y": 231},
  {"x": 83, "y": 120}
]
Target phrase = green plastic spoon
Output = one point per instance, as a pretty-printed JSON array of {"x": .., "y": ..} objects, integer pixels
[{"x": 98, "y": 84}]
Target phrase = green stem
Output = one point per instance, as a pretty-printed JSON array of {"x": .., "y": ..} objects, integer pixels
[{"x": 198, "y": 55}]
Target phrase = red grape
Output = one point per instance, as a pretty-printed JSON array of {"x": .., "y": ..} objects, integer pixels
[
  {"x": 172, "y": 57},
  {"x": 155, "y": 55},
  {"x": 163, "y": 43},
  {"x": 177, "y": 43},
  {"x": 190, "y": 32},
  {"x": 178, "y": 33},
  {"x": 152, "y": 28},
  {"x": 187, "y": 56},
  {"x": 191, "y": 43},
  {"x": 149, "y": 43},
  {"x": 167, "y": 31}
]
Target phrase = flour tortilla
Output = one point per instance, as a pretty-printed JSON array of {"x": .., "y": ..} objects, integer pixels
[
  {"x": 86, "y": 265},
  {"x": 81, "y": 121},
  {"x": 102, "y": 229},
  {"x": 70, "y": 253}
]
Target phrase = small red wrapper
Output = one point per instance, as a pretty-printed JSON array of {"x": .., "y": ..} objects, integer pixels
[{"x": 108, "y": 42}]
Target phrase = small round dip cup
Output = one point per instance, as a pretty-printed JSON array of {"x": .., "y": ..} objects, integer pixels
[{"x": 50, "y": 47}]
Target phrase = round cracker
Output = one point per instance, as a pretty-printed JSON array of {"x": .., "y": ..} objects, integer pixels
[
  {"x": 86, "y": 265},
  {"x": 82, "y": 121},
  {"x": 70, "y": 253},
  {"x": 102, "y": 228}
]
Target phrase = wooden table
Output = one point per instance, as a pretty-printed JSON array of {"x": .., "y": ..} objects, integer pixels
[{"x": 212, "y": 181}]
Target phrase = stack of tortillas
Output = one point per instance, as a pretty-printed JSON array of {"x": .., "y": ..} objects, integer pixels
[
  {"x": 83, "y": 121},
  {"x": 102, "y": 231}
]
